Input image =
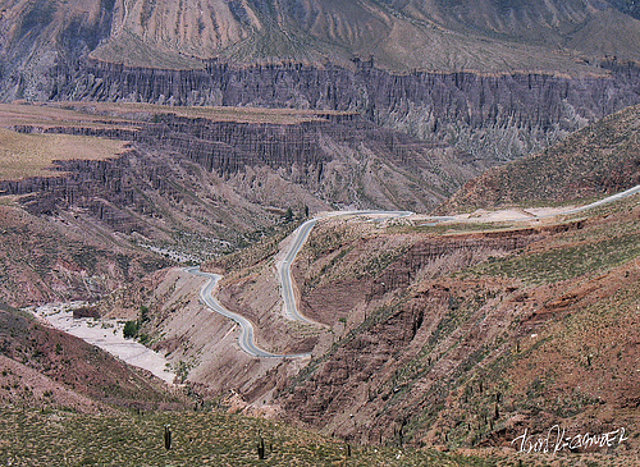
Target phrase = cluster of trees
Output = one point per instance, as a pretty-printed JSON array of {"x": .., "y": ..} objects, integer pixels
[{"x": 132, "y": 328}]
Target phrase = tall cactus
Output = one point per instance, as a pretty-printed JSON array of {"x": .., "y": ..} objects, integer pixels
[{"x": 167, "y": 437}]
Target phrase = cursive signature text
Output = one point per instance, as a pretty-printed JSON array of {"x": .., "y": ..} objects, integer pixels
[{"x": 556, "y": 440}]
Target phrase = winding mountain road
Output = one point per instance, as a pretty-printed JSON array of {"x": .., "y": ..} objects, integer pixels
[
  {"x": 246, "y": 340},
  {"x": 290, "y": 308}
]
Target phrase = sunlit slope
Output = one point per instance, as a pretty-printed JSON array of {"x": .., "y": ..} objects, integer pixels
[
  {"x": 485, "y": 36},
  {"x": 602, "y": 158}
]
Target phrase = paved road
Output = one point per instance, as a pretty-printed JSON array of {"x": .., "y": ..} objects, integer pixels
[
  {"x": 284, "y": 273},
  {"x": 301, "y": 235},
  {"x": 435, "y": 220},
  {"x": 607, "y": 200},
  {"x": 246, "y": 340}
]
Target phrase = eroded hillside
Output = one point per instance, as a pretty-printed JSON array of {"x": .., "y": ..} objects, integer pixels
[
  {"x": 459, "y": 334},
  {"x": 188, "y": 184},
  {"x": 45, "y": 368},
  {"x": 466, "y": 339},
  {"x": 491, "y": 79},
  {"x": 442, "y": 36},
  {"x": 603, "y": 158}
]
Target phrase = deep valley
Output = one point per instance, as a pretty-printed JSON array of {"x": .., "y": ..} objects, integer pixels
[{"x": 312, "y": 232}]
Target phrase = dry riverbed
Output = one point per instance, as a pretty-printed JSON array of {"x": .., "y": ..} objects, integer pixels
[{"x": 106, "y": 334}]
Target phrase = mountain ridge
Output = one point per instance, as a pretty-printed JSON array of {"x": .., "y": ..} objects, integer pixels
[
  {"x": 401, "y": 35},
  {"x": 463, "y": 74}
]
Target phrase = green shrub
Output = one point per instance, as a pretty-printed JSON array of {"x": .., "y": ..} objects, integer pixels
[{"x": 130, "y": 329}]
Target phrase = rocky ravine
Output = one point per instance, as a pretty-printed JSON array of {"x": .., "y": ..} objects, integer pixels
[
  {"x": 436, "y": 335},
  {"x": 47, "y": 368},
  {"x": 447, "y": 339}
]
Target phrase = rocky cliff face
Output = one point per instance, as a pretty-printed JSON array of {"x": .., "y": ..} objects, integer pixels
[
  {"x": 403, "y": 272},
  {"x": 224, "y": 179},
  {"x": 497, "y": 81},
  {"x": 493, "y": 117}
]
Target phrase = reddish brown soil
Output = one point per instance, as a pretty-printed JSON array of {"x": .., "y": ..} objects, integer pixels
[
  {"x": 434, "y": 354},
  {"x": 42, "y": 360},
  {"x": 44, "y": 260}
]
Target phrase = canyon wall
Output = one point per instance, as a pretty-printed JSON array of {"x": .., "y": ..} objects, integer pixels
[
  {"x": 494, "y": 97},
  {"x": 218, "y": 178},
  {"x": 197, "y": 187},
  {"x": 493, "y": 117}
]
